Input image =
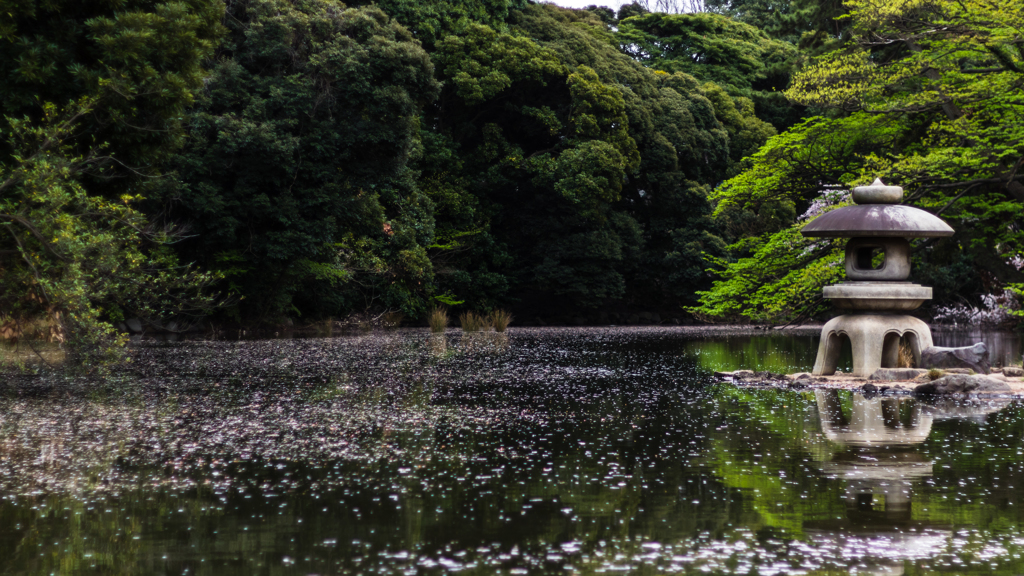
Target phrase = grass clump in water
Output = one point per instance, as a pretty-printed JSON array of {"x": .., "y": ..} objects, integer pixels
[
  {"x": 473, "y": 322},
  {"x": 437, "y": 319},
  {"x": 500, "y": 319}
]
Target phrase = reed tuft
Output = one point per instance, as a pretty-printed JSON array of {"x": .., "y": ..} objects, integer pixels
[
  {"x": 473, "y": 322},
  {"x": 437, "y": 319},
  {"x": 500, "y": 319}
]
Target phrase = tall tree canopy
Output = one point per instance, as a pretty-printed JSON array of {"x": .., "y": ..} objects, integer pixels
[
  {"x": 710, "y": 47},
  {"x": 139, "y": 61},
  {"x": 812, "y": 25},
  {"x": 738, "y": 57},
  {"x": 295, "y": 180},
  {"x": 594, "y": 169}
]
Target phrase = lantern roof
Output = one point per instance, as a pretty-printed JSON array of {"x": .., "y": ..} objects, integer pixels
[{"x": 877, "y": 214}]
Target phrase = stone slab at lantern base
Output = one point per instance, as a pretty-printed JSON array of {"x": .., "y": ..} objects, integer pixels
[{"x": 875, "y": 340}]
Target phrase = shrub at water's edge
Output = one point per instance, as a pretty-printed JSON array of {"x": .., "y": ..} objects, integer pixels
[
  {"x": 91, "y": 104},
  {"x": 76, "y": 258}
]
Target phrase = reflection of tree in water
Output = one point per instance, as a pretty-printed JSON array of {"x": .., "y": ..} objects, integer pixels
[
  {"x": 780, "y": 355},
  {"x": 549, "y": 456}
]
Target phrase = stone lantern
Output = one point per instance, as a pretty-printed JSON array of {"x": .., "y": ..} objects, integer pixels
[{"x": 876, "y": 295}]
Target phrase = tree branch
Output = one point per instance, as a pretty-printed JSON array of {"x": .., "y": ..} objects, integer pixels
[
  {"x": 982, "y": 70},
  {"x": 39, "y": 236},
  {"x": 35, "y": 271},
  {"x": 957, "y": 197}
]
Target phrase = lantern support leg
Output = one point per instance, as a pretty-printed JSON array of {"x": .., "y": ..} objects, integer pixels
[{"x": 874, "y": 341}]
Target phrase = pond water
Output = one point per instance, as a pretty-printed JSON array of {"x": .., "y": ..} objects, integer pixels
[{"x": 562, "y": 451}]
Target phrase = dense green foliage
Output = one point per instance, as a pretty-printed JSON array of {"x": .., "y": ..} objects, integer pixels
[
  {"x": 812, "y": 25},
  {"x": 140, "y": 61},
  {"x": 77, "y": 256},
  {"x": 740, "y": 58},
  {"x": 295, "y": 179},
  {"x": 596, "y": 175}
]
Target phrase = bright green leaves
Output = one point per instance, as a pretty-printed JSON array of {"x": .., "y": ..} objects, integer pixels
[
  {"x": 839, "y": 80},
  {"x": 598, "y": 112},
  {"x": 778, "y": 274},
  {"x": 951, "y": 75},
  {"x": 927, "y": 95},
  {"x": 780, "y": 282},
  {"x": 794, "y": 165},
  {"x": 913, "y": 56},
  {"x": 483, "y": 63}
]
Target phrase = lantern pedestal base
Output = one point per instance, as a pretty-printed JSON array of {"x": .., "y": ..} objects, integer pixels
[{"x": 874, "y": 339}]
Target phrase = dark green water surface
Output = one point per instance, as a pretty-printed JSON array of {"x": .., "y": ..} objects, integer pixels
[{"x": 559, "y": 451}]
